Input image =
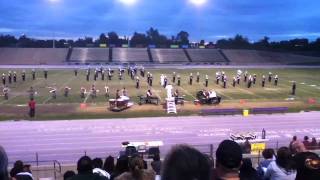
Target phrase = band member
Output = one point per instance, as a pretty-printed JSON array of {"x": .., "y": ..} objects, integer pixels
[
  {"x": 45, "y": 72},
  {"x": 75, "y": 72},
  {"x": 165, "y": 82},
  {"x": 294, "y": 86},
  {"x": 179, "y": 80},
  {"x": 95, "y": 75},
  {"x": 23, "y": 75},
  {"x": 224, "y": 81},
  {"x": 93, "y": 91},
  {"x": 142, "y": 71},
  {"x": 190, "y": 78},
  {"x": 14, "y": 76},
  {"x": 176, "y": 96},
  {"x": 120, "y": 75},
  {"x": 276, "y": 78},
  {"x": 66, "y": 91},
  {"x": 174, "y": 77},
  {"x": 124, "y": 92},
  {"x": 270, "y": 77},
  {"x": 207, "y": 80},
  {"x": 245, "y": 76},
  {"x": 198, "y": 77},
  {"x": 217, "y": 77},
  {"x": 151, "y": 80},
  {"x": 82, "y": 92},
  {"x": 263, "y": 80},
  {"x": 222, "y": 76},
  {"x": 6, "y": 92},
  {"x": 9, "y": 77},
  {"x": 254, "y": 78},
  {"x": 106, "y": 91},
  {"x": 88, "y": 75},
  {"x": 102, "y": 74},
  {"x": 137, "y": 82},
  {"x": 250, "y": 81},
  {"x": 117, "y": 94},
  {"x": 3, "y": 79},
  {"x": 33, "y": 74},
  {"x": 148, "y": 77},
  {"x": 53, "y": 93},
  {"x": 148, "y": 96},
  {"x": 238, "y": 79},
  {"x": 234, "y": 81}
]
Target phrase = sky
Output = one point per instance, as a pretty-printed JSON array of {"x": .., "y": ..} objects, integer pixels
[{"x": 215, "y": 19}]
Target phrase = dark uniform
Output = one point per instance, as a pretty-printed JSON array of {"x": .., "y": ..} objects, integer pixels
[
  {"x": 224, "y": 82},
  {"x": 102, "y": 75},
  {"x": 245, "y": 76},
  {"x": 66, "y": 91},
  {"x": 270, "y": 77},
  {"x": 33, "y": 74},
  {"x": 14, "y": 77},
  {"x": 263, "y": 81},
  {"x": 137, "y": 82},
  {"x": 294, "y": 86},
  {"x": 3, "y": 79},
  {"x": 174, "y": 77},
  {"x": 234, "y": 82},
  {"x": 179, "y": 80},
  {"x": 190, "y": 79},
  {"x": 9, "y": 77},
  {"x": 207, "y": 81},
  {"x": 217, "y": 78},
  {"x": 165, "y": 82},
  {"x": 151, "y": 79},
  {"x": 198, "y": 77},
  {"x": 75, "y": 72},
  {"x": 276, "y": 78},
  {"x": 249, "y": 82},
  {"x": 6, "y": 93},
  {"x": 45, "y": 74},
  {"x": 31, "y": 92},
  {"x": 23, "y": 75},
  {"x": 82, "y": 91},
  {"x": 254, "y": 78},
  {"x": 238, "y": 79},
  {"x": 53, "y": 93}
]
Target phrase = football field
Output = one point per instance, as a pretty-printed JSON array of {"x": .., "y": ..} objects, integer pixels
[{"x": 308, "y": 88}]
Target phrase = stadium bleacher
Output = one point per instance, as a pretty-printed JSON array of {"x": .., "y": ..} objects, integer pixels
[
  {"x": 124, "y": 55},
  {"x": 30, "y": 56},
  {"x": 84, "y": 55},
  {"x": 206, "y": 55},
  {"x": 169, "y": 56}
]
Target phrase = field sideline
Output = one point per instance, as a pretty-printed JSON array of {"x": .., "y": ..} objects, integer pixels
[{"x": 308, "y": 86}]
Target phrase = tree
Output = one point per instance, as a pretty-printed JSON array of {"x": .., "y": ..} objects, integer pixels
[
  {"x": 139, "y": 39},
  {"x": 103, "y": 39},
  {"x": 182, "y": 38},
  {"x": 113, "y": 38}
]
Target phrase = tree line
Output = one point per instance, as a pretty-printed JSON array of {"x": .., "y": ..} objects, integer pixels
[{"x": 154, "y": 38}]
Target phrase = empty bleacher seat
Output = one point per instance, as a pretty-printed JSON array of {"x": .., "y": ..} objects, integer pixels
[
  {"x": 130, "y": 55},
  {"x": 168, "y": 56}
]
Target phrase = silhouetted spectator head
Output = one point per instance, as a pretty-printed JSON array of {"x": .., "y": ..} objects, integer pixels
[
  {"x": 97, "y": 163},
  {"x": 268, "y": 153},
  {"x": 306, "y": 138},
  {"x": 294, "y": 138},
  {"x": 136, "y": 166},
  {"x": 122, "y": 164},
  {"x": 284, "y": 159},
  {"x": 3, "y": 164},
  {"x": 229, "y": 155},
  {"x": 68, "y": 175},
  {"x": 17, "y": 168},
  {"x": 247, "y": 172},
  {"x": 308, "y": 166},
  {"x": 84, "y": 165},
  {"x": 109, "y": 164},
  {"x": 187, "y": 163},
  {"x": 156, "y": 164}
]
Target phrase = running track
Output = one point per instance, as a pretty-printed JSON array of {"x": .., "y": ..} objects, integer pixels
[{"x": 66, "y": 141}]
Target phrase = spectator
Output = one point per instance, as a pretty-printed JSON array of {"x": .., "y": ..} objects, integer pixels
[
  {"x": 185, "y": 163},
  {"x": 306, "y": 142},
  {"x": 25, "y": 174},
  {"x": 246, "y": 147},
  {"x": 109, "y": 164},
  {"x": 247, "y": 172},
  {"x": 268, "y": 155},
  {"x": 68, "y": 175},
  {"x": 296, "y": 146},
  {"x": 84, "y": 167},
  {"x": 121, "y": 166},
  {"x": 156, "y": 164},
  {"x": 313, "y": 144},
  {"x": 283, "y": 168},
  {"x": 229, "y": 157},
  {"x": 17, "y": 168},
  {"x": 3, "y": 164},
  {"x": 294, "y": 140},
  {"x": 97, "y": 165},
  {"x": 308, "y": 166},
  {"x": 137, "y": 171}
]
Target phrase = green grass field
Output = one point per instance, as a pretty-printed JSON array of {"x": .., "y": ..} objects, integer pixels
[{"x": 308, "y": 86}]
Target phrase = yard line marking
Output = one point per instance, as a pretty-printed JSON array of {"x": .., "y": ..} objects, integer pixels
[
  {"x": 219, "y": 91},
  {"x": 187, "y": 92}
]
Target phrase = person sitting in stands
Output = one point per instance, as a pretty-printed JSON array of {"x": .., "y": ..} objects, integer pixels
[
  {"x": 229, "y": 158},
  {"x": 3, "y": 164},
  {"x": 84, "y": 167},
  {"x": 185, "y": 163},
  {"x": 268, "y": 155},
  {"x": 137, "y": 171},
  {"x": 283, "y": 167},
  {"x": 68, "y": 175},
  {"x": 97, "y": 165},
  {"x": 109, "y": 164},
  {"x": 121, "y": 166}
]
